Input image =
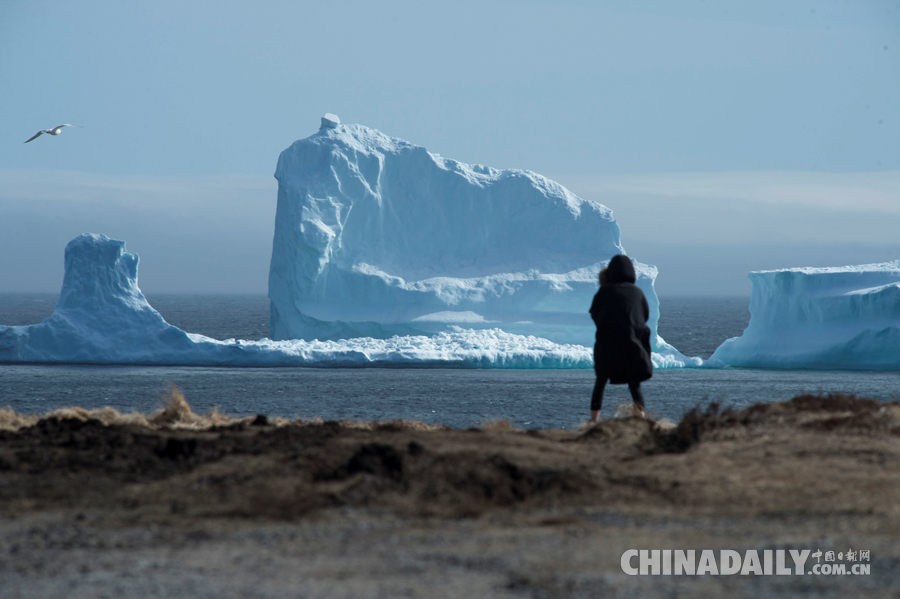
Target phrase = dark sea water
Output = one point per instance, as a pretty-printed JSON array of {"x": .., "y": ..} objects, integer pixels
[{"x": 460, "y": 398}]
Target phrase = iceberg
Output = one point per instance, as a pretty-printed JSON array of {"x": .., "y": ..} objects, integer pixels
[
  {"x": 839, "y": 318},
  {"x": 376, "y": 237},
  {"x": 103, "y": 318},
  {"x": 384, "y": 254}
]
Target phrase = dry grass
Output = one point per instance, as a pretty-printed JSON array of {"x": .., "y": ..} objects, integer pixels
[
  {"x": 585, "y": 425},
  {"x": 399, "y": 424},
  {"x": 11, "y": 421},
  {"x": 625, "y": 410},
  {"x": 176, "y": 414},
  {"x": 502, "y": 424}
]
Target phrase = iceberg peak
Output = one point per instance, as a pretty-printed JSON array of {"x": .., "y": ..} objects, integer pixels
[
  {"x": 98, "y": 270},
  {"x": 101, "y": 315},
  {"x": 330, "y": 121},
  {"x": 373, "y": 229}
]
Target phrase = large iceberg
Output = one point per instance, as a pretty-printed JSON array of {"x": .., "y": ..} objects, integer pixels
[
  {"x": 103, "y": 318},
  {"x": 822, "y": 318},
  {"x": 375, "y": 237}
]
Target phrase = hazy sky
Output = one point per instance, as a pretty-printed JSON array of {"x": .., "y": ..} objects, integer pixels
[{"x": 725, "y": 136}]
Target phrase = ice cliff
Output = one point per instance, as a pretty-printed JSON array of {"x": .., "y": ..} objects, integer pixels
[
  {"x": 375, "y": 236},
  {"x": 103, "y": 318},
  {"x": 823, "y": 318}
]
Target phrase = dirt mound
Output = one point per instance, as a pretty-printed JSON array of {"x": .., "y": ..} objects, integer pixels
[
  {"x": 833, "y": 412},
  {"x": 281, "y": 471},
  {"x": 264, "y": 467}
]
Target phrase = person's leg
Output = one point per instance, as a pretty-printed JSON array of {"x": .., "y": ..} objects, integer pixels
[
  {"x": 634, "y": 385},
  {"x": 597, "y": 397}
]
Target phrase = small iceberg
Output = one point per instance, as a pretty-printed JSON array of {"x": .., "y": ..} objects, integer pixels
[{"x": 839, "y": 318}]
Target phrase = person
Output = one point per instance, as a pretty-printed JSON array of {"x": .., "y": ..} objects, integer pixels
[{"x": 622, "y": 347}]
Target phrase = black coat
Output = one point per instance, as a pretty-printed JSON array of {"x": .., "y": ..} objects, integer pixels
[{"x": 621, "y": 312}]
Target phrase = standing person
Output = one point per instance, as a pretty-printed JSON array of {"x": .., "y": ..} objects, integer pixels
[{"x": 622, "y": 348}]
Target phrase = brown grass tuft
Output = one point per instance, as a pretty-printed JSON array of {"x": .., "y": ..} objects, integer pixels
[
  {"x": 501, "y": 424},
  {"x": 396, "y": 425},
  {"x": 11, "y": 421},
  {"x": 176, "y": 411}
]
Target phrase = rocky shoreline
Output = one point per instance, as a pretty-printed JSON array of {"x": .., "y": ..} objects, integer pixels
[{"x": 101, "y": 504}]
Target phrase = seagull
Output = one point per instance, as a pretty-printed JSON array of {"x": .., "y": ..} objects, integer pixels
[{"x": 55, "y": 131}]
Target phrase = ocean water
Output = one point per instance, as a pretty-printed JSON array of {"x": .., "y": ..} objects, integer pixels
[{"x": 459, "y": 398}]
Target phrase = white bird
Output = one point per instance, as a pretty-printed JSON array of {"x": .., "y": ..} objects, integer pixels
[{"x": 55, "y": 131}]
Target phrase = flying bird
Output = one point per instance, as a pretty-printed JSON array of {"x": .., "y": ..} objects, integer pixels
[{"x": 55, "y": 131}]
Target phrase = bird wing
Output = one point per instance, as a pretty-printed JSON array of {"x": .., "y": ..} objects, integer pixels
[
  {"x": 35, "y": 136},
  {"x": 61, "y": 126}
]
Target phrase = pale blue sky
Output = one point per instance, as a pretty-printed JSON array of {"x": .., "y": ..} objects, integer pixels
[{"x": 186, "y": 106}]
